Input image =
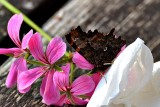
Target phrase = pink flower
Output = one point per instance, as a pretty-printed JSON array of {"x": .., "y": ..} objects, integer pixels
[
  {"x": 81, "y": 62},
  {"x": 19, "y": 52},
  {"x": 96, "y": 77},
  {"x": 71, "y": 91},
  {"x": 54, "y": 52}
]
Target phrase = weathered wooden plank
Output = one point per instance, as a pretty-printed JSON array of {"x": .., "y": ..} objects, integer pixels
[{"x": 131, "y": 18}]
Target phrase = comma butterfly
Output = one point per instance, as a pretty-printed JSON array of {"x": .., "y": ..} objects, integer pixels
[{"x": 97, "y": 48}]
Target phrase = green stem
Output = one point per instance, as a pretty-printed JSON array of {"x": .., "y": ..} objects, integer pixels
[
  {"x": 58, "y": 68},
  {"x": 14, "y": 10},
  {"x": 71, "y": 73},
  {"x": 35, "y": 62},
  {"x": 62, "y": 61},
  {"x": 27, "y": 55}
]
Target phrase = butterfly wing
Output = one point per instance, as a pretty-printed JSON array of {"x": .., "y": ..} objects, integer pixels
[{"x": 96, "y": 47}]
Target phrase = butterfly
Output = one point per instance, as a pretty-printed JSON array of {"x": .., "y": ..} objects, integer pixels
[{"x": 97, "y": 48}]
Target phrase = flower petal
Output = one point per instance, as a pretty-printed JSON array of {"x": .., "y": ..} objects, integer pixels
[
  {"x": 96, "y": 77},
  {"x": 24, "y": 90},
  {"x": 36, "y": 48},
  {"x": 81, "y": 62},
  {"x": 22, "y": 67},
  {"x": 13, "y": 51},
  {"x": 147, "y": 97},
  {"x": 43, "y": 84},
  {"x": 13, "y": 72},
  {"x": 156, "y": 77},
  {"x": 14, "y": 25},
  {"x": 62, "y": 78},
  {"x": 79, "y": 101},
  {"x": 26, "y": 39},
  {"x": 61, "y": 100},
  {"x": 129, "y": 73},
  {"x": 51, "y": 93},
  {"x": 55, "y": 50},
  {"x": 27, "y": 78},
  {"x": 82, "y": 85}
]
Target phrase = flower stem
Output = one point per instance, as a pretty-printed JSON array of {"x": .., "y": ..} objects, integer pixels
[
  {"x": 58, "y": 68},
  {"x": 14, "y": 10},
  {"x": 71, "y": 73},
  {"x": 35, "y": 62}
]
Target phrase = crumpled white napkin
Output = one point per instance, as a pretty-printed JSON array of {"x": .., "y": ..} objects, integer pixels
[{"x": 132, "y": 81}]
